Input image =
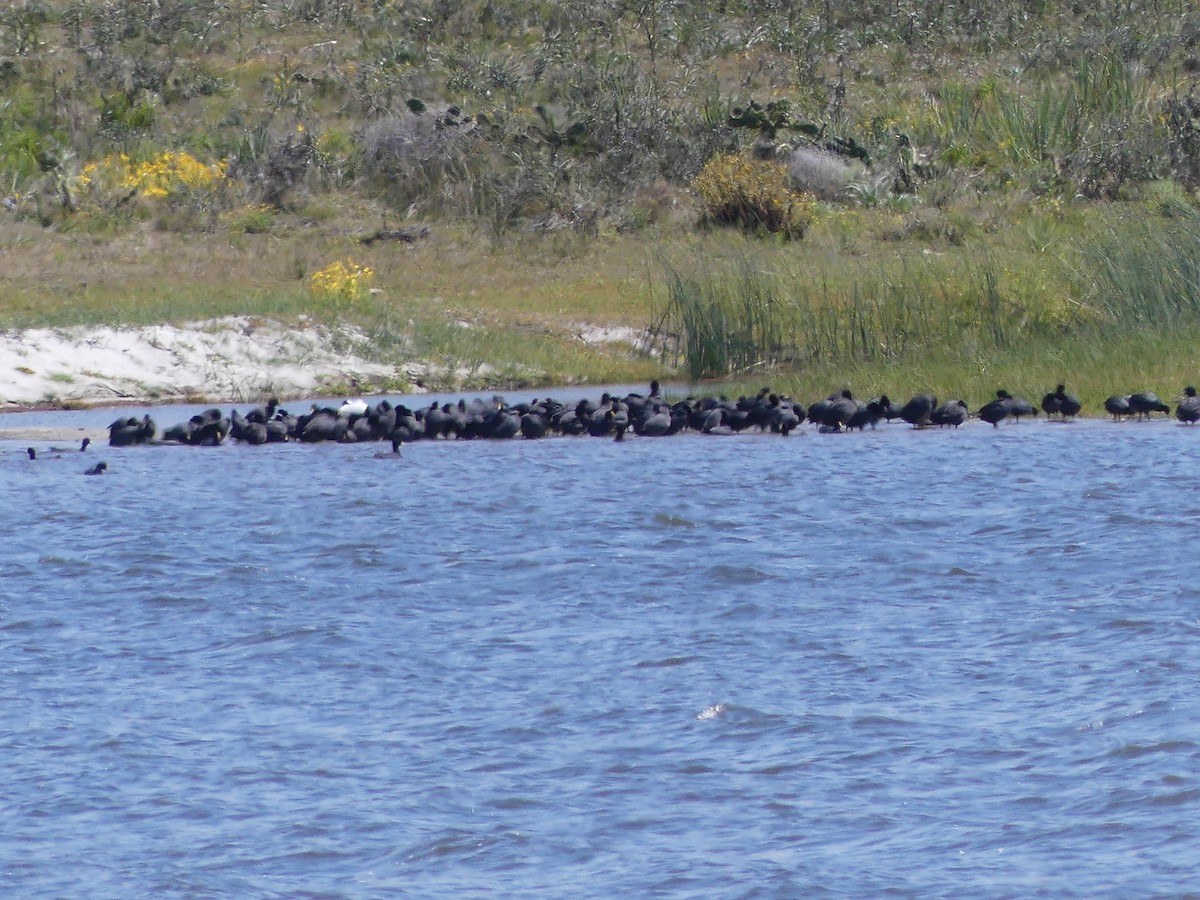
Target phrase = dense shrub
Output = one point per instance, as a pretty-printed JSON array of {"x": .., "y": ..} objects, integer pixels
[
  {"x": 752, "y": 195},
  {"x": 576, "y": 106},
  {"x": 414, "y": 152},
  {"x": 286, "y": 163},
  {"x": 168, "y": 177}
]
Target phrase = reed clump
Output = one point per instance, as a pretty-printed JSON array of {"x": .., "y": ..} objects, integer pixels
[
  {"x": 1146, "y": 269},
  {"x": 1100, "y": 304},
  {"x": 733, "y": 317}
]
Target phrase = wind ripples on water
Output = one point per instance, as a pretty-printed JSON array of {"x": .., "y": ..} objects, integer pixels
[{"x": 901, "y": 662}]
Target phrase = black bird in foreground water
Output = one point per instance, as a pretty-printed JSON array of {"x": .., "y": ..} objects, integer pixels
[
  {"x": 1019, "y": 406},
  {"x": 1188, "y": 410},
  {"x": 1144, "y": 403},
  {"x": 1059, "y": 403},
  {"x": 840, "y": 411},
  {"x": 919, "y": 410},
  {"x": 1068, "y": 404},
  {"x": 1051, "y": 405},
  {"x": 952, "y": 413},
  {"x": 869, "y": 413},
  {"x": 83, "y": 446},
  {"x": 1117, "y": 407},
  {"x": 620, "y": 419},
  {"x": 998, "y": 410},
  {"x": 127, "y": 432},
  {"x": 98, "y": 469}
]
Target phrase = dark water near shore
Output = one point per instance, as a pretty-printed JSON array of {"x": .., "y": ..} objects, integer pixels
[{"x": 936, "y": 664}]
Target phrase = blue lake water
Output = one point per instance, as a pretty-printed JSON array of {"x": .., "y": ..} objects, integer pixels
[{"x": 917, "y": 663}]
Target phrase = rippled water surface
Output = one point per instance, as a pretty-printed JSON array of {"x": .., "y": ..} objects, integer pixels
[{"x": 959, "y": 663}]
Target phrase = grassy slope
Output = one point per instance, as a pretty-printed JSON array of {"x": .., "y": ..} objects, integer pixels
[{"x": 1014, "y": 190}]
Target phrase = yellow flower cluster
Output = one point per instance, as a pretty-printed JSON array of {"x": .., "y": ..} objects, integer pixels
[
  {"x": 342, "y": 280},
  {"x": 165, "y": 175},
  {"x": 753, "y": 195}
]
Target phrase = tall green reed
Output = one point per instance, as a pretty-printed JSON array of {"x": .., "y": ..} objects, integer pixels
[
  {"x": 732, "y": 317},
  {"x": 1146, "y": 269},
  {"x": 734, "y": 321}
]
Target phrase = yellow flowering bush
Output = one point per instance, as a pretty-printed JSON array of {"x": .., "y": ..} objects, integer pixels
[
  {"x": 342, "y": 281},
  {"x": 180, "y": 192},
  {"x": 752, "y": 195},
  {"x": 167, "y": 176}
]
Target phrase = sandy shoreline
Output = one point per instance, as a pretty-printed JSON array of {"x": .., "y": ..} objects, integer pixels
[
  {"x": 232, "y": 359},
  {"x": 38, "y": 436}
]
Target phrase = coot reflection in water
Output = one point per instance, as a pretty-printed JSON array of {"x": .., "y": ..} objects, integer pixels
[{"x": 958, "y": 663}]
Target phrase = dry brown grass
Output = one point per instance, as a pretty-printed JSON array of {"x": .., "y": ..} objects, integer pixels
[{"x": 57, "y": 278}]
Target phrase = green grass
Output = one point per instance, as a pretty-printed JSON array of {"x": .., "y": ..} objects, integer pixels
[
  {"x": 738, "y": 314},
  {"x": 1093, "y": 367},
  {"x": 1115, "y": 310},
  {"x": 1100, "y": 299}
]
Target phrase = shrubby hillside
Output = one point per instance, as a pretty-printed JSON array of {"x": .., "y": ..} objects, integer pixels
[
  {"x": 584, "y": 114},
  {"x": 915, "y": 178}
]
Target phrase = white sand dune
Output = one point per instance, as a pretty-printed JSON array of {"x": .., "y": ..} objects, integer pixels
[
  {"x": 236, "y": 358},
  {"x": 230, "y": 359}
]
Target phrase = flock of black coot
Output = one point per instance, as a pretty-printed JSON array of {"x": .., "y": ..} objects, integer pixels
[{"x": 644, "y": 415}]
